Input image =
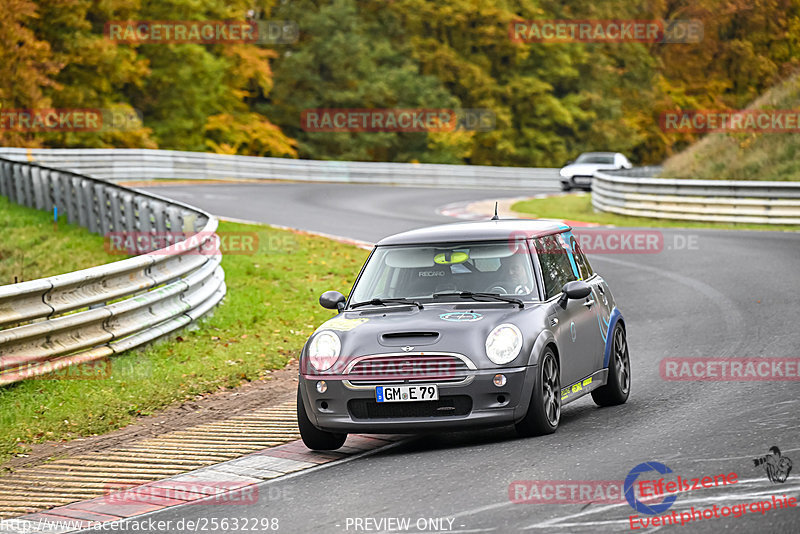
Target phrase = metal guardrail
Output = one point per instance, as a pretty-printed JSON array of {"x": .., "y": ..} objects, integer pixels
[
  {"x": 636, "y": 192},
  {"x": 51, "y": 323},
  {"x": 146, "y": 164}
]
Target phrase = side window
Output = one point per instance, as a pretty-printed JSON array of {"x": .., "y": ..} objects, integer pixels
[
  {"x": 581, "y": 261},
  {"x": 556, "y": 267}
]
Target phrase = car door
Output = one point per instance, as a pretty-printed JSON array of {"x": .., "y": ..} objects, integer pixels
[
  {"x": 573, "y": 326},
  {"x": 603, "y": 302}
]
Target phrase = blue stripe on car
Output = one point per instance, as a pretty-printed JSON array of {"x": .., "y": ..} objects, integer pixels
[{"x": 615, "y": 316}]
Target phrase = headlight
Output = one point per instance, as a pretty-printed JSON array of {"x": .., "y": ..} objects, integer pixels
[
  {"x": 503, "y": 343},
  {"x": 323, "y": 351}
]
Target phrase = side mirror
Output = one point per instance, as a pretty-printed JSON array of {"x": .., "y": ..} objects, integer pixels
[
  {"x": 577, "y": 289},
  {"x": 569, "y": 162},
  {"x": 333, "y": 300}
]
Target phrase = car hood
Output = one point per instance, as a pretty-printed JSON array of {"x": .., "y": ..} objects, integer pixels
[
  {"x": 585, "y": 169},
  {"x": 458, "y": 328}
]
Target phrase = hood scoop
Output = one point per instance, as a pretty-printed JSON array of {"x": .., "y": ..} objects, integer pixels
[{"x": 412, "y": 339}]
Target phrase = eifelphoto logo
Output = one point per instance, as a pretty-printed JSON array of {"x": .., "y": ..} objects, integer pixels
[
  {"x": 397, "y": 120},
  {"x": 202, "y": 31},
  {"x": 606, "y": 31},
  {"x": 776, "y": 465},
  {"x": 41, "y": 120},
  {"x": 731, "y": 121}
]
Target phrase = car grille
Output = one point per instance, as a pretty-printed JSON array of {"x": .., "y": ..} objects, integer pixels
[
  {"x": 448, "y": 406},
  {"x": 411, "y": 368}
]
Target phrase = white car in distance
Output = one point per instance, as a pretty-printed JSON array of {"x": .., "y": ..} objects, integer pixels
[{"x": 578, "y": 174}]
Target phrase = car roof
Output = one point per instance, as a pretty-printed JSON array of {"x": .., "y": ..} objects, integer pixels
[
  {"x": 497, "y": 230},
  {"x": 599, "y": 153}
]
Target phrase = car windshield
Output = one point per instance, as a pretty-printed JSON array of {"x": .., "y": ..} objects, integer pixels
[
  {"x": 594, "y": 158},
  {"x": 432, "y": 272}
]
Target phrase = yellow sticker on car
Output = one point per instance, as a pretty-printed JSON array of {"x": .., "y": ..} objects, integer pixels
[
  {"x": 446, "y": 258},
  {"x": 341, "y": 324}
]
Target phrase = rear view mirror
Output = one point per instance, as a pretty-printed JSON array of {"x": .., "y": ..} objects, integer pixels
[
  {"x": 332, "y": 300},
  {"x": 577, "y": 289}
]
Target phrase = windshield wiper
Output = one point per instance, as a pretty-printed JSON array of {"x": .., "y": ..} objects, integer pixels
[
  {"x": 477, "y": 296},
  {"x": 384, "y": 302}
]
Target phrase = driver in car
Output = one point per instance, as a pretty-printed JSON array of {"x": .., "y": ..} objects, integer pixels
[{"x": 515, "y": 279}]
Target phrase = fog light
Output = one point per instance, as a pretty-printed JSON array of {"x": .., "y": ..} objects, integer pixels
[
  {"x": 322, "y": 387},
  {"x": 499, "y": 380}
]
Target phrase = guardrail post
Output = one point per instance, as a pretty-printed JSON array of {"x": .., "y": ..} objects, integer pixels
[
  {"x": 159, "y": 221},
  {"x": 128, "y": 215},
  {"x": 38, "y": 188},
  {"x": 105, "y": 210},
  {"x": 27, "y": 188},
  {"x": 81, "y": 200},
  {"x": 144, "y": 222},
  {"x": 17, "y": 191},
  {"x": 5, "y": 176},
  {"x": 73, "y": 199}
]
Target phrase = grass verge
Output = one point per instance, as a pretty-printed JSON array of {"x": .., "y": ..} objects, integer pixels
[
  {"x": 270, "y": 309},
  {"x": 32, "y": 246},
  {"x": 578, "y": 207}
]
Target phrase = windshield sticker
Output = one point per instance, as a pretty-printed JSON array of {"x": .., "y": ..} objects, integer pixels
[
  {"x": 461, "y": 317},
  {"x": 341, "y": 324}
]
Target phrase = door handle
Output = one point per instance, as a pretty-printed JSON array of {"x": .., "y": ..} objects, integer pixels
[{"x": 589, "y": 303}]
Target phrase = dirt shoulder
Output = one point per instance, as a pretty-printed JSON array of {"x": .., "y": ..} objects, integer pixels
[{"x": 280, "y": 387}]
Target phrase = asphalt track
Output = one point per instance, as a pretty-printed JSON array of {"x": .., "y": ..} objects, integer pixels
[{"x": 733, "y": 294}]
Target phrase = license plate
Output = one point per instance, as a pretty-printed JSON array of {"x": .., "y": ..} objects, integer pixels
[{"x": 406, "y": 393}]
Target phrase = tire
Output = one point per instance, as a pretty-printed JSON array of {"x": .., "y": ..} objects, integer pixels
[
  {"x": 314, "y": 438},
  {"x": 565, "y": 186},
  {"x": 544, "y": 411},
  {"x": 618, "y": 387}
]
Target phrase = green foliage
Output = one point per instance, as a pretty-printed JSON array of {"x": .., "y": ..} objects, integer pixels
[
  {"x": 745, "y": 156},
  {"x": 551, "y": 100}
]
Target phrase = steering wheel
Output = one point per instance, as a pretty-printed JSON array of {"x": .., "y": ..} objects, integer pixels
[
  {"x": 519, "y": 290},
  {"x": 497, "y": 289}
]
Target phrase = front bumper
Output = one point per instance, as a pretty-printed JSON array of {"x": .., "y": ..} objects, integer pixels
[
  {"x": 473, "y": 404},
  {"x": 577, "y": 181}
]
